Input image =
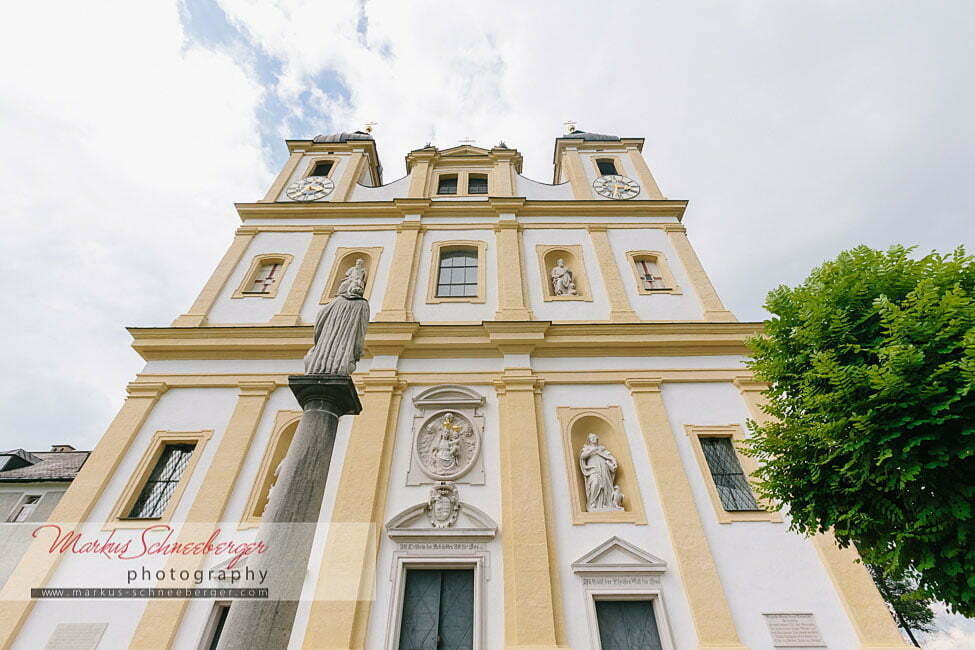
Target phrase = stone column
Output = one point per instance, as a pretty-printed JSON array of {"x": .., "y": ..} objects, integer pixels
[{"x": 289, "y": 522}]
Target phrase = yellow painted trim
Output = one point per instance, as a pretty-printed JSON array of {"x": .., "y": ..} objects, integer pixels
[
  {"x": 350, "y": 176},
  {"x": 618, "y": 443},
  {"x": 397, "y": 304},
  {"x": 872, "y": 621},
  {"x": 290, "y": 313},
  {"x": 706, "y": 597},
  {"x": 661, "y": 261},
  {"x": 371, "y": 255},
  {"x": 643, "y": 173},
  {"x": 530, "y": 616},
  {"x": 619, "y": 303},
  {"x": 581, "y": 188},
  {"x": 578, "y": 267},
  {"x": 197, "y": 314},
  {"x": 282, "y": 178},
  {"x": 259, "y": 260},
  {"x": 285, "y": 422},
  {"x": 748, "y": 466},
  {"x": 161, "y": 619},
  {"x": 343, "y": 596},
  {"x": 37, "y": 565},
  {"x": 512, "y": 294},
  {"x": 714, "y": 309},
  {"x": 139, "y": 477},
  {"x": 439, "y": 247}
]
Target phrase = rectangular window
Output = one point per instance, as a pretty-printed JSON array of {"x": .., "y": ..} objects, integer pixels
[
  {"x": 26, "y": 508},
  {"x": 729, "y": 479},
  {"x": 650, "y": 275},
  {"x": 477, "y": 184},
  {"x": 627, "y": 625},
  {"x": 266, "y": 276},
  {"x": 447, "y": 185},
  {"x": 457, "y": 276},
  {"x": 607, "y": 167},
  {"x": 162, "y": 482},
  {"x": 438, "y": 610},
  {"x": 322, "y": 168}
]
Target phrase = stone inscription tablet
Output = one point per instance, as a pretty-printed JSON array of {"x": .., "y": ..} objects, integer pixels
[{"x": 794, "y": 631}]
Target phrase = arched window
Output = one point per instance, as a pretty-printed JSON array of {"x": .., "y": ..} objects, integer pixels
[
  {"x": 652, "y": 272},
  {"x": 447, "y": 184},
  {"x": 607, "y": 167},
  {"x": 285, "y": 425},
  {"x": 457, "y": 272},
  {"x": 264, "y": 276}
]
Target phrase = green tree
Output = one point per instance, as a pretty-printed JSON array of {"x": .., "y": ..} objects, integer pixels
[
  {"x": 910, "y": 607},
  {"x": 871, "y": 368}
]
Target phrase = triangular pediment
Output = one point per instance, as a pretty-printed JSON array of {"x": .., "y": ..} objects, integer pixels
[
  {"x": 464, "y": 150},
  {"x": 616, "y": 555},
  {"x": 413, "y": 524}
]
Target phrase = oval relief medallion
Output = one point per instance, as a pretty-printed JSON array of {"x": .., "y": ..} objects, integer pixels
[{"x": 447, "y": 446}]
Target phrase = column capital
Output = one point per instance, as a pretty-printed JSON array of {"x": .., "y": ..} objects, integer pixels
[
  {"x": 336, "y": 391},
  {"x": 644, "y": 385},
  {"x": 256, "y": 388},
  {"x": 750, "y": 384},
  {"x": 146, "y": 388}
]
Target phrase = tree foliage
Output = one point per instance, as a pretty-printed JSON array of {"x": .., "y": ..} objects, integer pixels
[
  {"x": 871, "y": 367},
  {"x": 910, "y": 607}
]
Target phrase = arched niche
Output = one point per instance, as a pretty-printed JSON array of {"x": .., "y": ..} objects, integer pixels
[
  {"x": 607, "y": 423},
  {"x": 285, "y": 426},
  {"x": 345, "y": 259},
  {"x": 572, "y": 257}
]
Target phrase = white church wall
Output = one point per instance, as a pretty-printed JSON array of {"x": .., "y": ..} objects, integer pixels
[
  {"x": 560, "y": 310},
  {"x": 661, "y": 306},
  {"x": 400, "y": 496},
  {"x": 392, "y": 190},
  {"x": 763, "y": 566},
  {"x": 538, "y": 191},
  {"x": 574, "y": 541},
  {"x": 384, "y": 239},
  {"x": 257, "y": 309},
  {"x": 622, "y": 364},
  {"x": 456, "y": 311}
]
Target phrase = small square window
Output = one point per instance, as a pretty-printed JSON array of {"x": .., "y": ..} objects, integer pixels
[
  {"x": 477, "y": 184},
  {"x": 607, "y": 167},
  {"x": 322, "y": 168},
  {"x": 447, "y": 184}
]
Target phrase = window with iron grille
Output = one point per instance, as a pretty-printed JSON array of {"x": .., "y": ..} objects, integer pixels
[
  {"x": 607, "y": 167},
  {"x": 729, "y": 479},
  {"x": 447, "y": 184},
  {"x": 457, "y": 276},
  {"x": 322, "y": 168},
  {"x": 265, "y": 277},
  {"x": 650, "y": 276},
  {"x": 477, "y": 184},
  {"x": 162, "y": 481}
]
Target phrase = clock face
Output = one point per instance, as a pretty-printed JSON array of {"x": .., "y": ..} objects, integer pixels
[
  {"x": 613, "y": 186},
  {"x": 311, "y": 188}
]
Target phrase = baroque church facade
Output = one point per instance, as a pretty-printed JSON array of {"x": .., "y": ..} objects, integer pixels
[{"x": 546, "y": 457}]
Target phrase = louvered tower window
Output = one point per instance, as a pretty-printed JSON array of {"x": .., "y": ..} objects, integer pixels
[
  {"x": 162, "y": 482},
  {"x": 607, "y": 167},
  {"x": 729, "y": 479},
  {"x": 650, "y": 276},
  {"x": 322, "y": 168}
]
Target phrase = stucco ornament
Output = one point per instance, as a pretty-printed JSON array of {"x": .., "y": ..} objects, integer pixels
[
  {"x": 447, "y": 446},
  {"x": 563, "y": 284},
  {"x": 598, "y": 466},
  {"x": 443, "y": 506},
  {"x": 340, "y": 328}
]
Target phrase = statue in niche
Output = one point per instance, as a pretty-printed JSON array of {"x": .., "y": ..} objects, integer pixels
[
  {"x": 341, "y": 327},
  {"x": 443, "y": 506},
  {"x": 598, "y": 466},
  {"x": 563, "y": 283},
  {"x": 447, "y": 446}
]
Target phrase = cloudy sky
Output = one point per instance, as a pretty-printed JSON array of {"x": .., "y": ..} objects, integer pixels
[{"x": 128, "y": 129}]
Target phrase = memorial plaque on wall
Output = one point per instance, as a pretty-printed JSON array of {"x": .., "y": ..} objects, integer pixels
[
  {"x": 794, "y": 631},
  {"x": 76, "y": 636}
]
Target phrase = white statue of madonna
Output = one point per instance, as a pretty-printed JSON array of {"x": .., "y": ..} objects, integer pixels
[{"x": 599, "y": 466}]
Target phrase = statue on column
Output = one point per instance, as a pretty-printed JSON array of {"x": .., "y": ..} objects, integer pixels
[
  {"x": 340, "y": 328},
  {"x": 563, "y": 283},
  {"x": 599, "y": 466}
]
